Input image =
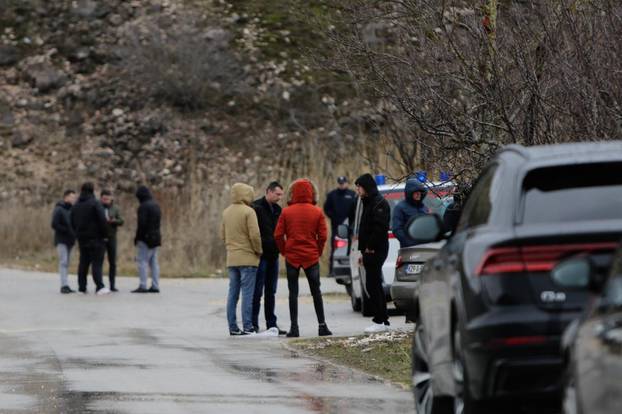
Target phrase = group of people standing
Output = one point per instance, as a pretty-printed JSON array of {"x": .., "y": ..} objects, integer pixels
[{"x": 93, "y": 224}]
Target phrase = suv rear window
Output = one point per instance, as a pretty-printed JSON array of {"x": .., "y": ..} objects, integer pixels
[{"x": 573, "y": 193}]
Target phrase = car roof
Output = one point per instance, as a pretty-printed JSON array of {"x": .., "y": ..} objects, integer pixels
[
  {"x": 580, "y": 151},
  {"x": 402, "y": 186}
]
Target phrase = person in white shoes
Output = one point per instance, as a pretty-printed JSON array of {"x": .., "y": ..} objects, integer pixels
[{"x": 374, "y": 247}]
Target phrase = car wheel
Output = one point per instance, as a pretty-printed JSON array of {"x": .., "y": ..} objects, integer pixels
[
  {"x": 425, "y": 400},
  {"x": 463, "y": 403},
  {"x": 365, "y": 305}
]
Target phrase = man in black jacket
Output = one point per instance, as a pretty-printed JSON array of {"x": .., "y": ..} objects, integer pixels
[
  {"x": 337, "y": 207},
  {"x": 374, "y": 247},
  {"x": 268, "y": 213},
  {"x": 89, "y": 222},
  {"x": 148, "y": 239},
  {"x": 64, "y": 237}
]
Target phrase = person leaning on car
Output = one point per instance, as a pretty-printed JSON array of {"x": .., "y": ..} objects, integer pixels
[
  {"x": 408, "y": 209},
  {"x": 374, "y": 247}
]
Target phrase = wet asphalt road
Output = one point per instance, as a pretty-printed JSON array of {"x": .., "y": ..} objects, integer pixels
[{"x": 168, "y": 353}]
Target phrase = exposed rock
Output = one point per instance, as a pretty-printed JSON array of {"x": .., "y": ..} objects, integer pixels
[
  {"x": 9, "y": 55},
  {"x": 21, "y": 139},
  {"x": 46, "y": 78}
]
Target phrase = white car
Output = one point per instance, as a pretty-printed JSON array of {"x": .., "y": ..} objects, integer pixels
[{"x": 439, "y": 196}]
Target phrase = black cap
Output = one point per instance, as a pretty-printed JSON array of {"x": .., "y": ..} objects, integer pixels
[{"x": 342, "y": 179}]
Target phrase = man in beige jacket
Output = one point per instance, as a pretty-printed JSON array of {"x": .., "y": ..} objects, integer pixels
[{"x": 240, "y": 232}]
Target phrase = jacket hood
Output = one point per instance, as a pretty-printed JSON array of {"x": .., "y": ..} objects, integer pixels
[
  {"x": 368, "y": 183},
  {"x": 143, "y": 194},
  {"x": 302, "y": 191},
  {"x": 242, "y": 194},
  {"x": 413, "y": 185}
]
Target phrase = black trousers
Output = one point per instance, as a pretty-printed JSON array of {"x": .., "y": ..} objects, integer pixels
[
  {"x": 111, "y": 251},
  {"x": 91, "y": 256},
  {"x": 313, "y": 277},
  {"x": 373, "y": 284}
]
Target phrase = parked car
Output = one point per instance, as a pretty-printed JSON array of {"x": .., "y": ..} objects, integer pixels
[
  {"x": 437, "y": 200},
  {"x": 490, "y": 317},
  {"x": 341, "y": 261},
  {"x": 592, "y": 345},
  {"x": 408, "y": 268}
]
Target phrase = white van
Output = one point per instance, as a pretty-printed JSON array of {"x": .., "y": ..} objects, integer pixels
[{"x": 439, "y": 196}]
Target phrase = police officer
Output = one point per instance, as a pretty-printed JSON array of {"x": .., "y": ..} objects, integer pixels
[{"x": 337, "y": 208}]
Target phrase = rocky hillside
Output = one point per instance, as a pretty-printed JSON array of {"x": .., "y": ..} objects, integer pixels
[{"x": 172, "y": 93}]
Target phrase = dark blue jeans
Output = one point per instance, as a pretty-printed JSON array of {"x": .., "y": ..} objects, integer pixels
[{"x": 266, "y": 284}]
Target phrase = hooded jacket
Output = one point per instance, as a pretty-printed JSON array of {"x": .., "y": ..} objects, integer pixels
[
  {"x": 407, "y": 210},
  {"x": 301, "y": 231},
  {"x": 88, "y": 219},
  {"x": 267, "y": 217},
  {"x": 375, "y": 218},
  {"x": 61, "y": 223},
  {"x": 240, "y": 229},
  {"x": 149, "y": 218}
]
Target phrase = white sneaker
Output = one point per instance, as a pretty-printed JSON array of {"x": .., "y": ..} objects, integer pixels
[
  {"x": 377, "y": 328},
  {"x": 103, "y": 291}
]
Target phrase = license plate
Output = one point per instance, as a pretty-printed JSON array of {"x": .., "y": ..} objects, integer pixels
[{"x": 414, "y": 269}]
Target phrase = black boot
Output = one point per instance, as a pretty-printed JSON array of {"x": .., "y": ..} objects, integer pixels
[
  {"x": 293, "y": 332},
  {"x": 323, "y": 330}
]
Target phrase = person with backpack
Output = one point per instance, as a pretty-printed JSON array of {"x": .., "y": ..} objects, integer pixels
[
  {"x": 64, "y": 237},
  {"x": 374, "y": 247},
  {"x": 300, "y": 236},
  {"x": 148, "y": 240}
]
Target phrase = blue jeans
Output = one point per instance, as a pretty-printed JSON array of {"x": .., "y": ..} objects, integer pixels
[
  {"x": 265, "y": 284},
  {"x": 148, "y": 258},
  {"x": 241, "y": 278}
]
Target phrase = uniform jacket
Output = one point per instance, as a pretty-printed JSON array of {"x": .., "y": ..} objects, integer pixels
[{"x": 338, "y": 205}]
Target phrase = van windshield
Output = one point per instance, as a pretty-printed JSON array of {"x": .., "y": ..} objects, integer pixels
[{"x": 573, "y": 193}]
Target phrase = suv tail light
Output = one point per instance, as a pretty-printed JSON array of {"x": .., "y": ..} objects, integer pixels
[
  {"x": 338, "y": 243},
  {"x": 500, "y": 260},
  {"x": 399, "y": 262}
]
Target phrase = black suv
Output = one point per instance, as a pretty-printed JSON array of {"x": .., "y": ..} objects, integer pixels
[{"x": 489, "y": 316}]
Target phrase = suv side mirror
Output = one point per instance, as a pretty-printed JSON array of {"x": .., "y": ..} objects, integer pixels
[
  {"x": 426, "y": 229},
  {"x": 343, "y": 231},
  {"x": 579, "y": 273}
]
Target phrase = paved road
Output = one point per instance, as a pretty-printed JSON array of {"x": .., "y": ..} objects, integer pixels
[{"x": 167, "y": 353}]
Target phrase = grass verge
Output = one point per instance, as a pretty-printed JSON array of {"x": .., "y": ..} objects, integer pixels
[{"x": 384, "y": 355}]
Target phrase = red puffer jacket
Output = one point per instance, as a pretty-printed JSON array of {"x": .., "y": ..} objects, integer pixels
[{"x": 301, "y": 231}]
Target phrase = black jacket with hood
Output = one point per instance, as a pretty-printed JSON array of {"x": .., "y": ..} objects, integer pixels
[
  {"x": 61, "y": 223},
  {"x": 88, "y": 219},
  {"x": 375, "y": 219},
  {"x": 267, "y": 218},
  {"x": 149, "y": 217}
]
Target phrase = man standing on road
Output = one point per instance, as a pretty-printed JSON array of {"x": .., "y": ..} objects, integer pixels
[
  {"x": 148, "y": 239},
  {"x": 89, "y": 222},
  {"x": 374, "y": 247},
  {"x": 409, "y": 209},
  {"x": 113, "y": 215},
  {"x": 240, "y": 232},
  {"x": 64, "y": 237},
  {"x": 301, "y": 235},
  {"x": 337, "y": 207},
  {"x": 268, "y": 213}
]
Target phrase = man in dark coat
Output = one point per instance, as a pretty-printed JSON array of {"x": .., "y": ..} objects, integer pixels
[
  {"x": 337, "y": 207},
  {"x": 408, "y": 209},
  {"x": 64, "y": 237},
  {"x": 148, "y": 239},
  {"x": 374, "y": 247},
  {"x": 113, "y": 215},
  {"x": 89, "y": 222},
  {"x": 268, "y": 212}
]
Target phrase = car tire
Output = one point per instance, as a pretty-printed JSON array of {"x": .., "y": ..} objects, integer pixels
[
  {"x": 366, "y": 309},
  {"x": 354, "y": 301},
  {"x": 463, "y": 402},
  {"x": 570, "y": 403},
  {"x": 425, "y": 400}
]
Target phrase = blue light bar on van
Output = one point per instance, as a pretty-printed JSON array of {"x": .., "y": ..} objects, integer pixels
[
  {"x": 422, "y": 176},
  {"x": 381, "y": 179}
]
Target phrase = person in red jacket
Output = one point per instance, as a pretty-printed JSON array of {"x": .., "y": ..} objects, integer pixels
[{"x": 300, "y": 236}]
